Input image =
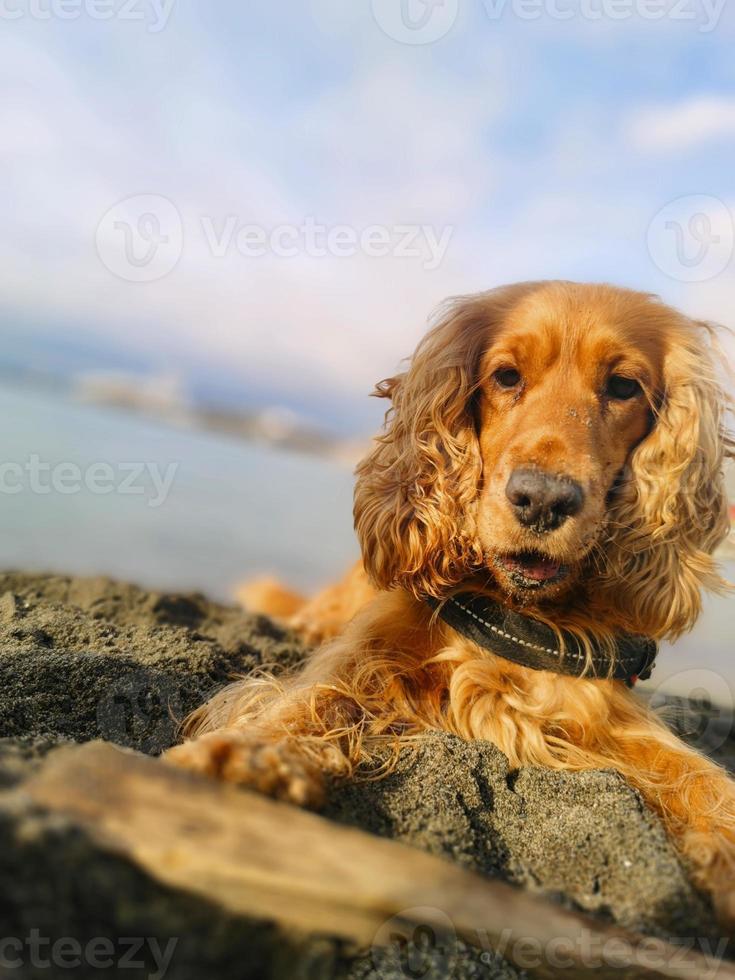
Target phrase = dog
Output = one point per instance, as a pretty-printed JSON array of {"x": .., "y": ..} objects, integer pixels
[{"x": 542, "y": 507}]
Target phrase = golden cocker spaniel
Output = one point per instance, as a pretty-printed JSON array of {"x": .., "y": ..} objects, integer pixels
[{"x": 541, "y": 507}]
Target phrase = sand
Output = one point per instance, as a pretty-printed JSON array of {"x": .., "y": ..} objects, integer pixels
[{"x": 90, "y": 658}]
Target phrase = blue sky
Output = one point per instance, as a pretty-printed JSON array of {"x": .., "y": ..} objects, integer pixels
[{"x": 541, "y": 147}]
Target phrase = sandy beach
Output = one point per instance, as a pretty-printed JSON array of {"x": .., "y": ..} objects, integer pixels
[{"x": 92, "y": 658}]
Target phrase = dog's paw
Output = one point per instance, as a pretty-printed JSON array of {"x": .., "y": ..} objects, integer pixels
[
  {"x": 315, "y": 627},
  {"x": 712, "y": 856},
  {"x": 724, "y": 905},
  {"x": 274, "y": 768},
  {"x": 722, "y": 885}
]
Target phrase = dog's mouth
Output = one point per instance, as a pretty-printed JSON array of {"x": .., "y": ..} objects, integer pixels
[{"x": 531, "y": 569}]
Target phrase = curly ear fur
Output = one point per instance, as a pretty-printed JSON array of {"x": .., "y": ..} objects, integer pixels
[
  {"x": 671, "y": 510},
  {"x": 416, "y": 491}
]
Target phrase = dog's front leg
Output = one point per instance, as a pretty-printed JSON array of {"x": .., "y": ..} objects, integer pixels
[
  {"x": 287, "y": 738},
  {"x": 696, "y": 800},
  {"x": 284, "y": 740}
]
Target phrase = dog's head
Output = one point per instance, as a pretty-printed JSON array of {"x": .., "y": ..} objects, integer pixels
[{"x": 555, "y": 435}]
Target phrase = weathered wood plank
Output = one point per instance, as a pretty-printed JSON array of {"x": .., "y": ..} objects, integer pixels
[{"x": 264, "y": 859}]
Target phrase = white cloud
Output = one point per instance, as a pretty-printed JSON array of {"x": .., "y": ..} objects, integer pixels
[
  {"x": 683, "y": 126},
  {"x": 397, "y": 146}
]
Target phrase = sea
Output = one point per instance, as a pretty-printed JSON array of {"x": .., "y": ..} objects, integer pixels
[{"x": 90, "y": 490}]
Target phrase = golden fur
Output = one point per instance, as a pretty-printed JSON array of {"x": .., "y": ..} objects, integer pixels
[{"x": 432, "y": 514}]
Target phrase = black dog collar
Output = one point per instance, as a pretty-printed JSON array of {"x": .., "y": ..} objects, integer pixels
[{"x": 531, "y": 643}]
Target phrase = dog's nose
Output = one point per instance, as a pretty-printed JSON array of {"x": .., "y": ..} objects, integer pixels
[{"x": 541, "y": 501}]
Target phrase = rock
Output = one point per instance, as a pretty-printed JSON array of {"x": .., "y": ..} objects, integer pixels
[{"x": 84, "y": 659}]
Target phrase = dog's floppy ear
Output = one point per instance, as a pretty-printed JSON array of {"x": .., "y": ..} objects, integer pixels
[
  {"x": 416, "y": 491},
  {"x": 672, "y": 510}
]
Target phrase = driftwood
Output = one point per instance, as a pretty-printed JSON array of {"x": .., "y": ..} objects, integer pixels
[{"x": 267, "y": 860}]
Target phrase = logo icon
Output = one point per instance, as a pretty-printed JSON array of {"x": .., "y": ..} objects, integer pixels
[
  {"x": 418, "y": 942},
  {"x": 701, "y": 710},
  {"x": 141, "y": 238},
  {"x": 139, "y": 710},
  {"x": 415, "y": 21},
  {"x": 691, "y": 239}
]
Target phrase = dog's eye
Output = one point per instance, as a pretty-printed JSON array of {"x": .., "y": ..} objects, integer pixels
[
  {"x": 507, "y": 377},
  {"x": 622, "y": 388}
]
